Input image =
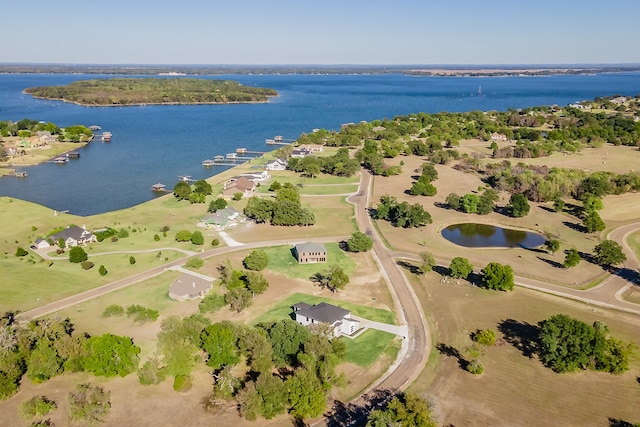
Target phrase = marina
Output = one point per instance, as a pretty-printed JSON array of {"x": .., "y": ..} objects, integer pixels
[{"x": 279, "y": 140}]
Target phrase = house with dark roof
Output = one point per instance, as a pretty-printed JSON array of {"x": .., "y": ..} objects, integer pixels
[
  {"x": 40, "y": 244},
  {"x": 189, "y": 286},
  {"x": 310, "y": 252},
  {"x": 276, "y": 165},
  {"x": 74, "y": 236},
  {"x": 300, "y": 153},
  {"x": 338, "y": 318}
]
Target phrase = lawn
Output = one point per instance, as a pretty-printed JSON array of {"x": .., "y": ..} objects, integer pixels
[
  {"x": 368, "y": 347},
  {"x": 281, "y": 260},
  {"x": 283, "y": 309}
]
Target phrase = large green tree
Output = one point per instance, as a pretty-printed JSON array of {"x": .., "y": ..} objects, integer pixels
[
  {"x": 497, "y": 277},
  {"x": 77, "y": 255},
  {"x": 519, "y": 205},
  {"x": 306, "y": 395},
  {"x": 256, "y": 260},
  {"x": 110, "y": 355},
  {"x": 359, "y": 242},
  {"x": 608, "y": 253},
  {"x": 405, "y": 410},
  {"x": 460, "y": 268},
  {"x": 219, "y": 340}
]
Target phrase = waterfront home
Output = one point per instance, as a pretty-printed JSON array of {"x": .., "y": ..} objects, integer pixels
[
  {"x": 260, "y": 177},
  {"x": 220, "y": 218},
  {"x": 189, "y": 286},
  {"x": 241, "y": 185},
  {"x": 74, "y": 236},
  {"x": 312, "y": 148},
  {"x": 495, "y": 136},
  {"x": 276, "y": 165},
  {"x": 338, "y": 318},
  {"x": 310, "y": 252},
  {"x": 300, "y": 153}
]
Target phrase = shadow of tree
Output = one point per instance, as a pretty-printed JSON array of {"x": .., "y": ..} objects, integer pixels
[
  {"x": 521, "y": 335},
  {"x": 617, "y": 422},
  {"x": 451, "y": 351},
  {"x": 551, "y": 262},
  {"x": 412, "y": 268},
  {"x": 574, "y": 226},
  {"x": 349, "y": 414},
  {"x": 443, "y": 271}
]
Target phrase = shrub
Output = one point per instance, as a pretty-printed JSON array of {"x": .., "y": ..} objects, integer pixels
[
  {"x": 142, "y": 314},
  {"x": 484, "y": 337},
  {"x": 165, "y": 228},
  {"x": 197, "y": 238},
  {"x": 194, "y": 263},
  {"x": 211, "y": 303},
  {"x": 474, "y": 367},
  {"x": 113, "y": 310},
  {"x": 359, "y": 242},
  {"x": 102, "y": 270},
  {"x": 114, "y": 239},
  {"x": 237, "y": 196},
  {"x": 215, "y": 242},
  {"x": 183, "y": 236},
  {"x": 86, "y": 265},
  {"x": 89, "y": 403},
  {"x": 257, "y": 260},
  {"x": 156, "y": 237},
  {"x": 182, "y": 383},
  {"x": 132, "y": 260},
  {"x": 37, "y": 405},
  {"x": 123, "y": 233},
  {"x": 151, "y": 373},
  {"x": 77, "y": 255},
  {"x": 20, "y": 252}
]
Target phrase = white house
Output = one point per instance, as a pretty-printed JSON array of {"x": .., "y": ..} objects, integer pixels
[
  {"x": 74, "y": 236},
  {"x": 323, "y": 313},
  {"x": 276, "y": 165},
  {"x": 40, "y": 244}
]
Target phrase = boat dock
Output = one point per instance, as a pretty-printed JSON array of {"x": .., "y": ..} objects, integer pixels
[
  {"x": 17, "y": 174},
  {"x": 106, "y": 137},
  {"x": 160, "y": 188},
  {"x": 279, "y": 140}
]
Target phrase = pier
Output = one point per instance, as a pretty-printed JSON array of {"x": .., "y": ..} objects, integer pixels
[
  {"x": 279, "y": 140},
  {"x": 106, "y": 137},
  {"x": 159, "y": 188},
  {"x": 18, "y": 174}
]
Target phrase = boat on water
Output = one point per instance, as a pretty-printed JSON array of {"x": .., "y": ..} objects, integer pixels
[{"x": 106, "y": 137}]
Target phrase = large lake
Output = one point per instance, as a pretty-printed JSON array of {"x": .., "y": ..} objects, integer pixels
[{"x": 158, "y": 143}]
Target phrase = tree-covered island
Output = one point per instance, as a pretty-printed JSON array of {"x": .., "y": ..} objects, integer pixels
[{"x": 138, "y": 91}]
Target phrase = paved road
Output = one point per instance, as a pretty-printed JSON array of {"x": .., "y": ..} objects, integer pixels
[{"x": 128, "y": 281}]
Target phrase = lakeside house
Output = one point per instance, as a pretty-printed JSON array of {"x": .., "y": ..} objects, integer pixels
[
  {"x": 74, "y": 236},
  {"x": 312, "y": 148},
  {"x": 310, "y": 252},
  {"x": 220, "y": 218},
  {"x": 338, "y": 318},
  {"x": 189, "y": 286},
  {"x": 300, "y": 153},
  {"x": 276, "y": 165},
  {"x": 495, "y": 136},
  {"x": 260, "y": 177},
  {"x": 241, "y": 185}
]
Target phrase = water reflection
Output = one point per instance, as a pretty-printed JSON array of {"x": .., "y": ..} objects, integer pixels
[{"x": 482, "y": 236}]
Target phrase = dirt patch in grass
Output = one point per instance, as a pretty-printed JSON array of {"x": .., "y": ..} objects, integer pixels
[{"x": 515, "y": 390}]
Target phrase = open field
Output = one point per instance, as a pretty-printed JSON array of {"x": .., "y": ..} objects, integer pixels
[
  {"x": 515, "y": 390},
  {"x": 532, "y": 263}
]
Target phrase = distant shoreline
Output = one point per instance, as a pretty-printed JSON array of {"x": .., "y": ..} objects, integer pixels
[
  {"x": 143, "y": 104},
  {"x": 422, "y": 70}
]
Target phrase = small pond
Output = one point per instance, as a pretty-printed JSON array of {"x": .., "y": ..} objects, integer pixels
[{"x": 488, "y": 236}]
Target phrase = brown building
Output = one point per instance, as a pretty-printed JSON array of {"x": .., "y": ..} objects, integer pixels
[{"x": 310, "y": 252}]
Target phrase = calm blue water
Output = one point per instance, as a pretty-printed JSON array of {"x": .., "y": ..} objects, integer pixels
[{"x": 157, "y": 143}]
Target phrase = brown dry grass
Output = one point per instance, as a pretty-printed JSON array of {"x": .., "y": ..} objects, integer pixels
[{"x": 515, "y": 390}]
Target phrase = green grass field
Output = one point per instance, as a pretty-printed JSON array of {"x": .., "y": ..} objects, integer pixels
[
  {"x": 369, "y": 346},
  {"x": 281, "y": 260}
]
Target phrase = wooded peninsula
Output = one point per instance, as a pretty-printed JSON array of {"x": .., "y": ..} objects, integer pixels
[{"x": 140, "y": 91}]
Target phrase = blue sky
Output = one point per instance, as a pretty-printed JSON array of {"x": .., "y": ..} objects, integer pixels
[{"x": 321, "y": 32}]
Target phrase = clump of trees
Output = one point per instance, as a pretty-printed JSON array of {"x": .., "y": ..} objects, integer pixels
[
  {"x": 340, "y": 164},
  {"x": 77, "y": 255},
  {"x": 424, "y": 185},
  {"x": 217, "y": 204},
  {"x": 608, "y": 253},
  {"x": 37, "y": 406},
  {"x": 567, "y": 344},
  {"x": 401, "y": 214},
  {"x": 460, "y": 268},
  {"x": 482, "y": 204},
  {"x": 142, "y": 314},
  {"x": 403, "y": 410},
  {"x": 89, "y": 403},
  {"x": 334, "y": 278},
  {"x": 284, "y": 210},
  {"x": 44, "y": 348}
]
